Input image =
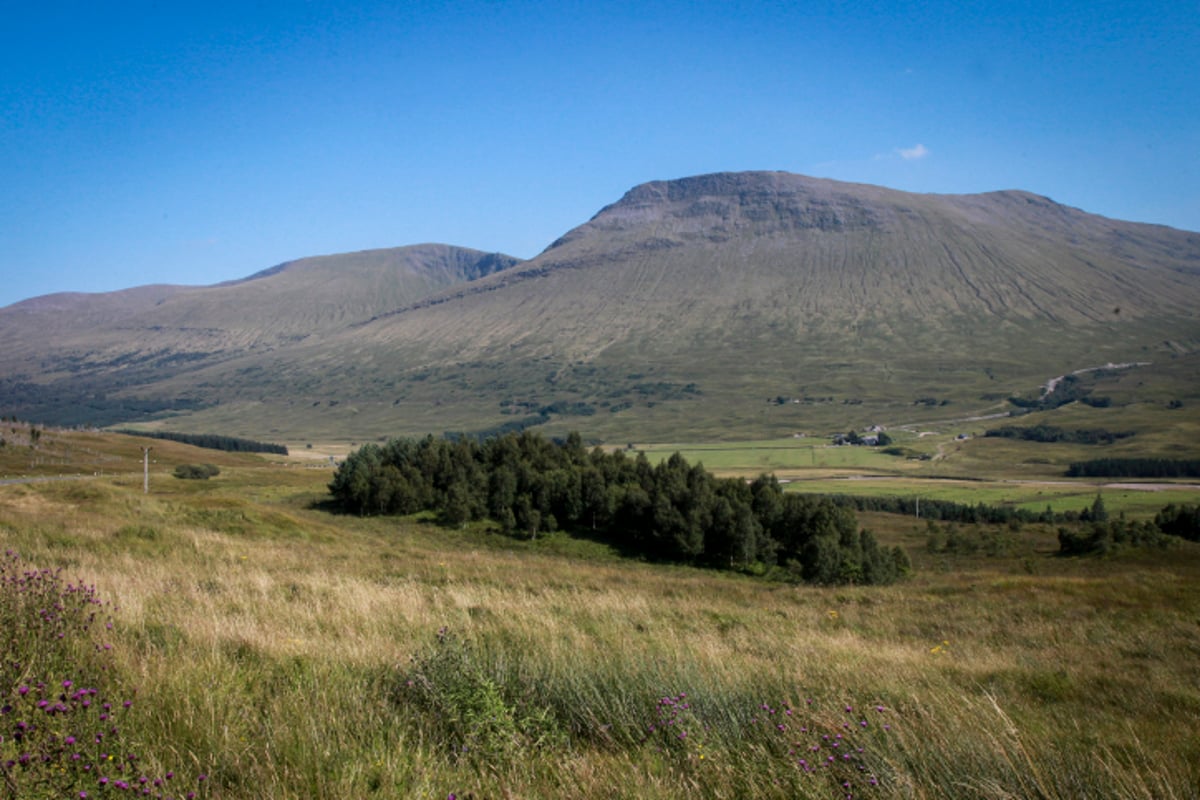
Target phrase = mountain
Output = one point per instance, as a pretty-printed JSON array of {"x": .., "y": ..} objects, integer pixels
[
  {"x": 68, "y": 350},
  {"x": 677, "y": 311}
]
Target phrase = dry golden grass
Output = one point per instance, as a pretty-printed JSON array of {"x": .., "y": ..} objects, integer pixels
[{"x": 273, "y": 640}]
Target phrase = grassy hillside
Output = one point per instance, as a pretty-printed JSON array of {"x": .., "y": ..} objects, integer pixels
[
  {"x": 681, "y": 311},
  {"x": 283, "y": 652},
  {"x": 90, "y": 359}
]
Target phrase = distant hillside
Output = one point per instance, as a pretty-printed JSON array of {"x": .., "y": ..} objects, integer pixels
[
  {"x": 87, "y": 347},
  {"x": 681, "y": 310}
]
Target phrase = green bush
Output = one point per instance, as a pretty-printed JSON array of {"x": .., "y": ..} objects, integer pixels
[
  {"x": 196, "y": 472},
  {"x": 467, "y": 705}
]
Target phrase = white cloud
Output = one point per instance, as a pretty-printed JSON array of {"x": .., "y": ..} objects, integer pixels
[{"x": 913, "y": 153}]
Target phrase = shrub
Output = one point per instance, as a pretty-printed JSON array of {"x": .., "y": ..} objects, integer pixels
[
  {"x": 196, "y": 472},
  {"x": 468, "y": 706}
]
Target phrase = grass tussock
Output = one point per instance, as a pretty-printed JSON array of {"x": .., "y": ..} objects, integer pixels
[{"x": 282, "y": 652}]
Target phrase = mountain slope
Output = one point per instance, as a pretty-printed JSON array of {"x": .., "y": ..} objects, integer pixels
[
  {"x": 68, "y": 343},
  {"x": 680, "y": 308},
  {"x": 749, "y": 253}
]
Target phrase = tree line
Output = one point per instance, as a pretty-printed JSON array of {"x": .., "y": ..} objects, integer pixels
[
  {"x": 1135, "y": 468},
  {"x": 948, "y": 510},
  {"x": 671, "y": 512},
  {"x": 1053, "y": 433},
  {"x": 214, "y": 441}
]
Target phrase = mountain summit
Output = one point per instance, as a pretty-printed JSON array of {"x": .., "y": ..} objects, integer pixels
[{"x": 675, "y": 310}]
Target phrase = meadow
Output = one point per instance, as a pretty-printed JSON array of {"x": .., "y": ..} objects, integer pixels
[
  {"x": 1003, "y": 473},
  {"x": 282, "y": 651}
]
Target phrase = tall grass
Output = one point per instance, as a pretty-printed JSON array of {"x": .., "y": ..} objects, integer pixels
[{"x": 286, "y": 653}]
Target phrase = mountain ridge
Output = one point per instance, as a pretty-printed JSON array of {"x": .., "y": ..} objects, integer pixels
[
  {"x": 711, "y": 289},
  {"x": 82, "y": 334}
]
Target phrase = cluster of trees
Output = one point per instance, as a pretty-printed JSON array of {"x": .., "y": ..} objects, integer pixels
[
  {"x": 1068, "y": 390},
  {"x": 85, "y": 405},
  {"x": 1135, "y": 468},
  {"x": 1053, "y": 433},
  {"x": 673, "y": 512},
  {"x": 213, "y": 441},
  {"x": 1103, "y": 537},
  {"x": 1182, "y": 521},
  {"x": 197, "y": 472}
]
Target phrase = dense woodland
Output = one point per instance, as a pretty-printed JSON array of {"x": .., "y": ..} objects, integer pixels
[{"x": 672, "y": 512}]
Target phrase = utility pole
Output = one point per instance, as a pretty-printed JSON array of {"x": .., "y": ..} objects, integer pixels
[{"x": 145, "y": 470}]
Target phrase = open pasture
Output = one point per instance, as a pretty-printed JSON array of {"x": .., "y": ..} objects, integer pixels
[
  {"x": 286, "y": 652},
  {"x": 817, "y": 467},
  {"x": 783, "y": 457}
]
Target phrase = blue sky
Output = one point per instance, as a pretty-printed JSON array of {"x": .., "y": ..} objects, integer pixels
[{"x": 156, "y": 142}]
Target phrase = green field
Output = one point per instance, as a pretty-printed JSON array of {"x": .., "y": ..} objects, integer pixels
[
  {"x": 282, "y": 651},
  {"x": 817, "y": 467}
]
